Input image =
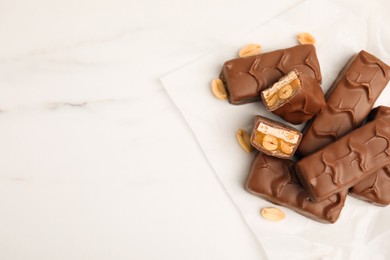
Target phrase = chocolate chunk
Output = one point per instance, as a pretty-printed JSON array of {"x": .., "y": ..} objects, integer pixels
[
  {"x": 376, "y": 187},
  {"x": 245, "y": 78},
  {"x": 296, "y": 97},
  {"x": 274, "y": 138},
  {"x": 275, "y": 180},
  {"x": 349, "y": 101},
  {"x": 345, "y": 162}
]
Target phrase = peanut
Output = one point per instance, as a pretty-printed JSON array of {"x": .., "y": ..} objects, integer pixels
[
  {"x": 270, "y": 142},
  {"x": 306, "y": 38},
  {"x": 285, "y": 92},
  {"x": 285, "y": 147},
  {"x": 243, "y": 139},
  {"x": 218, "y": 89},
  {"x": 250, "y": 50},
  {"x": 272, "y": 100},
  {"x": 273, "y": 214}
]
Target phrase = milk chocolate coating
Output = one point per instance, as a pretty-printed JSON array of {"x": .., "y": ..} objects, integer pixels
[
  {"x": 305, "y": 104},
  {"x": 267, "y": 121},
  {"x": 376, "y": 187},
  {"x": 349, "y": 101},
  {"x": 245, "y": 78},
  {"x": 345, "y": 162},
  {"x": 379, "y": 112},
  {"x": 274, "y": 179}
]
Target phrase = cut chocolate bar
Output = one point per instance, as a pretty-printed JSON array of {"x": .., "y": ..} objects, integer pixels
[
  {"x": 274, "y": 138},
  {"x": 296, "y": 97},
  {"x": 376, "y": 187},
  {"x": 349, "y": 101},
  {"x": 345, "y": 162},
  {"x": 245, "y": 78},
  {"x": 282, "y": 91},
  {"x": 275, "y": 180}
]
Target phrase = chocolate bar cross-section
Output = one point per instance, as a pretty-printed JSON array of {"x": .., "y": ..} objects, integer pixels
[{"x": 296, "y": 97}]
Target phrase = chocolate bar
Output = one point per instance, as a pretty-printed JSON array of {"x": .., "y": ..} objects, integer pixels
[
  {"x": 296, "y": 97},
  {"x": 274, "y": 138},
  {"x": 349, "y": 101},
  {"x": 275, "y": 180},
  {"x": 376, "y": 187},
  {"x": 379, "y": 112},
  {"x": 345, "y": 162},
  {"x": 245, "y": 78}
]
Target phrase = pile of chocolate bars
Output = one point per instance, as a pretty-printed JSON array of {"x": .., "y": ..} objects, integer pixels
[{"x": 345, "y": 145}]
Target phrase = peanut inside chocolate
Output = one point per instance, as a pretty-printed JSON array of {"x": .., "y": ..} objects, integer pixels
[
  {"x": 282, "y": 91},
  {"x": 276, "y": 139}
]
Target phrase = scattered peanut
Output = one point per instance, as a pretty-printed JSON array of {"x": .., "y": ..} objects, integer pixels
[
  {"x": 273, "y": 214},
  {"x": 306, "y": 38},
  {"x": 243, "y": 139},
  {"x": 250, "y": 50},
  {"x": 218, "y": 89}
]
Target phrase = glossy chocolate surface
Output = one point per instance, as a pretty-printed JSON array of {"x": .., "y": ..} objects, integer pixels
[
  {"x": 274, "y": 179},
  {"x": 349, "y": 101},
  {"x": 308, "y": 102},
  {"x": 245, "y": 78},
  {"x": 345, "y": 162},
  {"x": 376, "y": 187}
]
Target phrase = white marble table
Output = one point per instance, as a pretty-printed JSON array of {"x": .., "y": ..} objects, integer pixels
[{"x": 97, "y": 163}]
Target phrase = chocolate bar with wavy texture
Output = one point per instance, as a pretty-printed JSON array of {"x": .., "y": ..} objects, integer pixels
[
  {"x": 274, "y": 179},
  {"x": 376, "y": 187},
  {"x": 245, "y": 78},
  {"x": 345, "y": 162},
  {"x": 349, "y": 101}
]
